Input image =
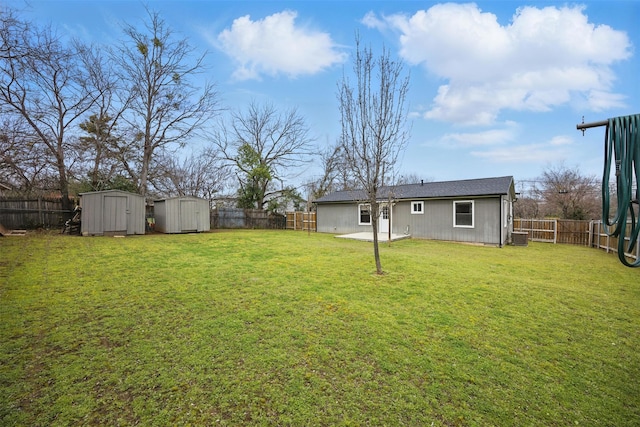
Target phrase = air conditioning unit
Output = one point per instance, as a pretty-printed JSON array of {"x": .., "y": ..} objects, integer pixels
[{"x": 520, "y": 238}]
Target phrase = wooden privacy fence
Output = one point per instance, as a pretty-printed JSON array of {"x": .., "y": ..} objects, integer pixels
[
  {"x": 246, "y": 218},
  {"x": 601, "y": 240},
  {"x": 539, "y": 230},
  {"x": 305, "y": 221},
  {"x": 583, "y": 233},
  {"x": 21, "y": 213},
  {"x": 555, "y": 230}
]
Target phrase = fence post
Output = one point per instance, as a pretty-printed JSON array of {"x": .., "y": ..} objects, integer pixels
[{"x": 40, "y": 214}]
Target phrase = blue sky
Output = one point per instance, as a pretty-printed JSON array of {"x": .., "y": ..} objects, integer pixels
[{"x": 497, "y": 87}]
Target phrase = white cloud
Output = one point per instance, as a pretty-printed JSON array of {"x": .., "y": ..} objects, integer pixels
[
  {"x": 557, "y": 148},
  {"x": 600, "y": 100},
  {"x": 531, "y": 153},
  {"x": 561, "y": 140},
  {"x": 275, "y": 45},
  {"x": 543, "y": 59},
  {"x": 483, "y": 138},
  {"x": 371, "y": 20}
]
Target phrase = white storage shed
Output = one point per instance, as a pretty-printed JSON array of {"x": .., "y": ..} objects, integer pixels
[
  {"x": 181, "y": 215},
  {"x": 112, "y": 212}
]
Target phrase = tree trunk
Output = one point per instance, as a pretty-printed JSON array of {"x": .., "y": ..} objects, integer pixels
[
  {"x": 144, "y": 172},
  {"x": 62, "y": 175},
  {"x": 64, "y": 188},
  {"x": 376, "y": 250}
]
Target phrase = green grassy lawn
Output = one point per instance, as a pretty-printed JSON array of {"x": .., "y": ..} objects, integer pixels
[{"x": 286, "y": 328}]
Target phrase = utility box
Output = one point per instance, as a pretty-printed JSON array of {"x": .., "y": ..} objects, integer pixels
[
  {"x": 112, "y": 213},
  {"x": 181, "y": 215},
  {"x": 520, "y": 238}
]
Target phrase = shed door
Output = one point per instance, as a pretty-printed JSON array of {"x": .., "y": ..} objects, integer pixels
[
  {"x": 188, "y": 215},
  {"x": 115, "y": 214}
]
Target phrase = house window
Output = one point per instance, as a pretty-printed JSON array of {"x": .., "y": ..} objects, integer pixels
[
  {"x": 384, "y": 212},
  {"x": 364, "y": 215},
  {"x": 417, "y": 208},
  {"x": 463, "y": 213}
]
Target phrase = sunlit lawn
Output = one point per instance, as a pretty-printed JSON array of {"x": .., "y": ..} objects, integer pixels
[{"x": 286, "y": 328}]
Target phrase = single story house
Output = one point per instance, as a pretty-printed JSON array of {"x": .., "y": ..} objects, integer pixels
[{"x": 474, "y": 210}]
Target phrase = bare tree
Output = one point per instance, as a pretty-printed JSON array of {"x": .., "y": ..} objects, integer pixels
[
  {"x": 99, "y": 148},
  {"x": 373, "y": 118},
  {"x": 526, "y": 207},
  {"x": 23, "y": 161},
  {"x": 411, "y": 178},
  {"x": 163, "y": 108},
  {"x": 265, "y": 147},
  {"x": 202, "y": 175},
  {"x": 45, "y": 83},
  {"x": 333, "y": 169},
  {"x": 567, "y": 194}
]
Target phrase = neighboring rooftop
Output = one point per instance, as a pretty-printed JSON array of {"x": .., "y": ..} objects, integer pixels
[{"x": 430, "y": 190}]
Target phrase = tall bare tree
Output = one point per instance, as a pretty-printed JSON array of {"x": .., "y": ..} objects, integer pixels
[
  {"x": 23, "y": 161},
  {"x": 45, "y": 83},
  {"x": 526, "y": 207},
  {"x": 373, "y": 118},
  {"x": 265, "y": 146},
  {"x": 202, "y": 174},
  {"x": 333, "y": 169},
  {"x": 164, "y": 109},
  {"x": 99, "y": 146},
  {"x": 568, "y": 194}
]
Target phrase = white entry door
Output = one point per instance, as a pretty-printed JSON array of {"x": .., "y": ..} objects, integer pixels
[{"x": 383, "y": 219}]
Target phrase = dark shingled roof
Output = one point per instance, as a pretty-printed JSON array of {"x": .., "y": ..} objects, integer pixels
[{"x": 431, "y": 190}]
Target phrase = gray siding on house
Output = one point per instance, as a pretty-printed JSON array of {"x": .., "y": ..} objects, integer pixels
[
  {"x": 437, "y": 221},
  {"x": 492, "y": 200},
  {"x": 182, "y": 215},
  {"x": 339, "y": 218},
  {"x": 112, "y": 212}
]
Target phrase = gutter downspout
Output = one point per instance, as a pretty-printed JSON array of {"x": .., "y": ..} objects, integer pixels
[{"x": 501, "y": 222}]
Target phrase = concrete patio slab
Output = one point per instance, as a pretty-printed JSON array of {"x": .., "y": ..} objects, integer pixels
[{"x": 368, "y": 236}]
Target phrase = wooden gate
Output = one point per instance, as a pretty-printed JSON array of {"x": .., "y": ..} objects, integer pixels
[
  {"x": 539, "y": 230},
  {"x": 301, "y": 221}
]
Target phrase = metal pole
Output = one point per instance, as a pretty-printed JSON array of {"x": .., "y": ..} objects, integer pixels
[{"x": 583, "y": 125}]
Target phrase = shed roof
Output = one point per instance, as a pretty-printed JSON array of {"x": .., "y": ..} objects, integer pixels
[
  {"x": 181, "y": 198},
  {"x": 112, "y": 191},
  {"x": 431, "y": 190}
]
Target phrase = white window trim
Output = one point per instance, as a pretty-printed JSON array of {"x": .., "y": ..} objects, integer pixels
[
  {"x": 360, "y": 214},
  {"x": 473, "y": 214},
  {"x": 414, "y": 212}
]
